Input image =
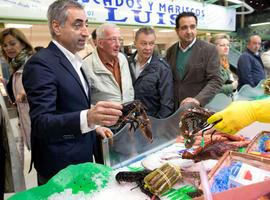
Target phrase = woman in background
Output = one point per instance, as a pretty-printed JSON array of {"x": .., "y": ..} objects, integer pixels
[
  {"x": 16, "y": 49},
  {"x": 222, "y": 42}
]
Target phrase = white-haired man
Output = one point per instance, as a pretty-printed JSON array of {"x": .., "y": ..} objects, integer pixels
[{"x": 107, "y": 69}]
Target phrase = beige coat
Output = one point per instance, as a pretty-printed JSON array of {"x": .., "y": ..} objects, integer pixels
[
  {"x": 23, "y": 108},
  {"x": 103, "y": 84}
]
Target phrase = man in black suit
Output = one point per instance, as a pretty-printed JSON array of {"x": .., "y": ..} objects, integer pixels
[{"x": 63, "y": 121}]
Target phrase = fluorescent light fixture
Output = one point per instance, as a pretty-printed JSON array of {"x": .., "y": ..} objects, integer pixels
[
  {"x": 5, "y": 6},
  {"x": 235, "y": 1},
  {"x": 166, "y": 30},
  {"x": 248, "y": 8},
  {"x": 18, "y": 25},
  {"x": 260, "y": 24}
]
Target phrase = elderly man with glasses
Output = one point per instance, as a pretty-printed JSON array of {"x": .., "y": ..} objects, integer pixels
[{"x": 107, "y": 68}]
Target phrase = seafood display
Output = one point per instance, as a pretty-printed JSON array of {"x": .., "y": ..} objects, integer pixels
[
  {"x": 215, "y": 148},
  {"x": 131, "y": 176},
  {"x": 193, "y": 118},
  {"x": 134, "y": 114},
  {"x": 211, "y": 144},
  {"x": 138, "y": 178},
  {"x": 201, "y": 142},
  {"x": 162, "y": 179},
  {"x": 156, "y": 182}
]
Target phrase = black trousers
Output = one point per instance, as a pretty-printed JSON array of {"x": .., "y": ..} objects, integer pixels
[{"x": 41, "y": 180}]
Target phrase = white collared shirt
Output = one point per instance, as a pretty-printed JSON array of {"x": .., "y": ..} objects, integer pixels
[
  {"x": 139, "y": 68},
  {"x": 76, "y": 62},
  {"x": 188, "y": 47}
]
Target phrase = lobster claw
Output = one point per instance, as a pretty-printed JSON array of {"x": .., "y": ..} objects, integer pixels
[
  {"x": 145, "y": 125},
  {"x": 147, "y": 132}
]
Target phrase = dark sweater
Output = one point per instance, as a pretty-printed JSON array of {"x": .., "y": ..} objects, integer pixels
[{"x": 250, "y": 69}]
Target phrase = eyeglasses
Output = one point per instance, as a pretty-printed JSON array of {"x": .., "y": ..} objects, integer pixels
[{"x": 114, "y": 39}]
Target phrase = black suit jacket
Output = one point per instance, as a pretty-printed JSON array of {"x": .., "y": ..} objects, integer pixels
[{"x": 56, "y": 98}]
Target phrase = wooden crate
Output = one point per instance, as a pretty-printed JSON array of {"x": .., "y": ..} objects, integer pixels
[
  {"x": 229, "y": 156},
  {"x": 254, "y": 191},
  {"x": 252, "y": 148}
]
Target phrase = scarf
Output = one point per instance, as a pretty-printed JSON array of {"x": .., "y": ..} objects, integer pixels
[
  {"x": 224, "y": 62},
  {"x": 19, "y": 60}
]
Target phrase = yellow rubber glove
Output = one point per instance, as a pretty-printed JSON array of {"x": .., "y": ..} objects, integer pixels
[{"x": 240, "y": 114}]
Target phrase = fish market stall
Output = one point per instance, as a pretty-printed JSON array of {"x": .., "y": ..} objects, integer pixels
[{"x": 179, "y": 157}]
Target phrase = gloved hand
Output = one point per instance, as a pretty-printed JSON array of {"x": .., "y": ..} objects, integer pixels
[{"x": 240, "y": 114}]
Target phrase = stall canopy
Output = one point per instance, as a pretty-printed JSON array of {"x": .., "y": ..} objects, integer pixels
[{"x": 158, "y": 13}]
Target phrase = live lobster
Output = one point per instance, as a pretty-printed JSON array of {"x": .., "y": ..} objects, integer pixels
[{"x": 134, "y": 114}]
